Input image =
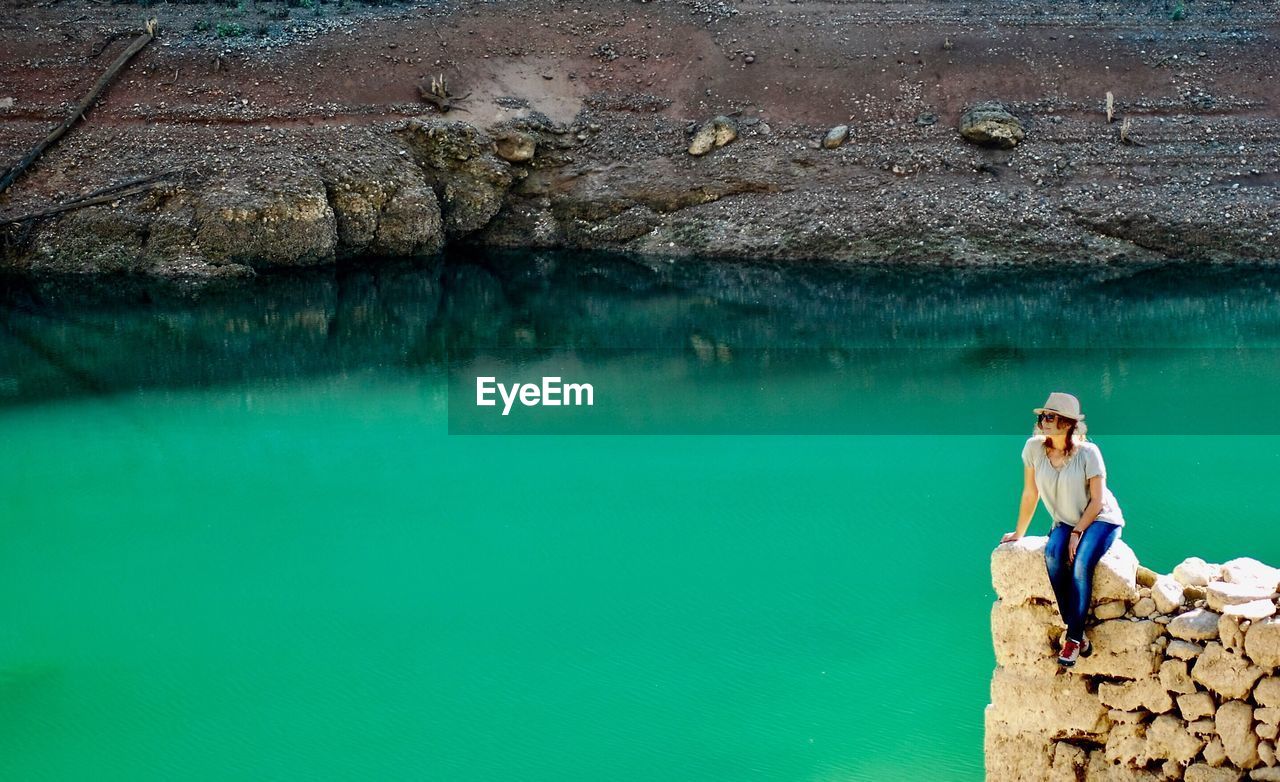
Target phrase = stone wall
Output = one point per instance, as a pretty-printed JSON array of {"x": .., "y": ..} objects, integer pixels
[{"x": 1182, "y": 683}]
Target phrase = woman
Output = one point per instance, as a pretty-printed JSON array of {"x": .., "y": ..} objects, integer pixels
[{"x": 1065, "y": 470}]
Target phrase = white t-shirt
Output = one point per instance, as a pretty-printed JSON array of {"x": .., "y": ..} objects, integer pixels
[{"x": 1065, "y": 492}]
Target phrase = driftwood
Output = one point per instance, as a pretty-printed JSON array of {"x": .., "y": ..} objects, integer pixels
[
  {"x": 439, "y": 96},
  {"x": 102, "y": 195},
  {"x": 22, "y": 165}
]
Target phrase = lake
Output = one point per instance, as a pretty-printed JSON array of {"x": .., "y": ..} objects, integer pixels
[{"x": 260, "y": 530}]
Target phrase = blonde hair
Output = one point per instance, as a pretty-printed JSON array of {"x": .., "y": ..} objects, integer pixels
[{"x": 1076, "y": 433}]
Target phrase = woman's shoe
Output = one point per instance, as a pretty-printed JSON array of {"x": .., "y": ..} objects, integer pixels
[
  {"x": 1069, "y": 654},
  {"x": 1086, "y": 648}
]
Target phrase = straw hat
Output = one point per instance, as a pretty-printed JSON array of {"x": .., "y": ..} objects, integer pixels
[{"x": 1064, "y": 405}]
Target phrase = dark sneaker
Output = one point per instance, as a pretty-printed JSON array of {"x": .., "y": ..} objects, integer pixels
[{"x": 1069, "y": 654}]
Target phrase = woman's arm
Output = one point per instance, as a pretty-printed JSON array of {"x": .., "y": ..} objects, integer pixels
[{"x": 1027, "y": 507}]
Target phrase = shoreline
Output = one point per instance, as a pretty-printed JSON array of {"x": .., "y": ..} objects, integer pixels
[{"x": 285, "y": 165}]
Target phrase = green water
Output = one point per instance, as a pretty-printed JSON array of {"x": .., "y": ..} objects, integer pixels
[{"x": 239, "y": 542}]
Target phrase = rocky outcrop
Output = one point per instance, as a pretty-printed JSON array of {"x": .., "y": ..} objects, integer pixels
[{"x": 1179, "y": 692}]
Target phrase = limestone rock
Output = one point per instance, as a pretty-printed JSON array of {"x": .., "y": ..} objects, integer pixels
[
  {"x": 1267, "y": 752},
  {"x": 515, "y": 146},
  {"x": 1234, "y": 721},
  {"x": 1231, "y": 634},
  {"x": 1195, "y": 705},
  {"x": 1194, "y": 571},
  {"x": 1195, "y": 625},
  {"x": 1214, "y": 753},
  {"x": 990, "y": 124},
  {"x": 283, "y": 220},
  {"x": 1112, "y": 609},
  {"x": 1174, "y": 677},
  {"x": 1262, "y": 642},
  {"x": 1267, "y": 692},
  {"x": 1127, "y": 744},
  {"x": 1183, "y": 650},
  {"x": 1069, "y": 762},
  {"x": 1253, "y": 610},
  {"x": 1227, "y": 674},
  {"x": 1267, "y": 732},
  {"x": 1203, "y": 727},
  {"x": 715, "y": 132},
  {"x": 461, "y": 164},
  {"x": 1266, "y": 774},
  {"x": 1169, "y": 739},
  {"x": 1247, "y": 570},
  {"x": 1146, "y": 577},
  {"x": 1122, "y": 649},
  {"x": 835, "y": 137},
  {"x": 1013, "y": 756},
  {"x": 1199, "y": 772},
  {"x": 1055, "y": 706},
  {"x": 1119, "y": 715},
  {"x": 1025, "y": 635},
  {"x": 1168, "y": 594},
  {"x": 1019, "y": 574},
  {"x": 1144, "y": 608},
  {"x": 1146, "y": 694},
  {"x": 1269, "y": 715},
  {"x": 382, "y": 206},
  {"x": 1221, "y": 594}
]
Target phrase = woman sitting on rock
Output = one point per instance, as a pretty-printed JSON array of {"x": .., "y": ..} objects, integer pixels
[{"x": 1066, "y": 471}]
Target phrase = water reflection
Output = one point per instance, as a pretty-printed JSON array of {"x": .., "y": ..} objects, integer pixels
[{"x": 1083, "y": 326}]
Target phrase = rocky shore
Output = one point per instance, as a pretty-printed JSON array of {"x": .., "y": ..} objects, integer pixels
[
  {"x": 781, "y": 130},
  {"x": 1183, "y": 682}
]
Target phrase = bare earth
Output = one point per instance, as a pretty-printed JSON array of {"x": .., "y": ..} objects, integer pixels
[{"x": 612, "y": 92}]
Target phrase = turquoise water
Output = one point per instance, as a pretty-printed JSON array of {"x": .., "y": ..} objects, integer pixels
[{"x": 239, "y": 542}]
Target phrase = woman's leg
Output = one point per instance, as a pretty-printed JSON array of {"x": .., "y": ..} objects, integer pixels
[
  {"x": 1094, "y": 543},
  {"x": 1055, "y": 557}
]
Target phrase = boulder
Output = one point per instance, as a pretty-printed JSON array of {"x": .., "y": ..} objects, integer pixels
[
  {"x": 1146, "y": 694},
  {"x": 1122, "y": 649},
  {"x": 1111, "y": 609},
  {"x": 1054, "y": 706},
  {"x": 1247, "y": 570},
  {"x": 1200, "y": 772},
  {"x": 1252, "y": 610},
  {"x": 1169, "y": 739},
  {"x": 1069, "y": 762},
  {"x": 1019, "y": 573},
  {"x": 1267, "y": 692},
  {"x": 1014, "y": 756},
  {"x": 835, "y": 137},
  {"x": 1227, "y": 674},
  {"x": 1221, "y": 594},
  {"x": 715, "y": 132},
  {"x": 1025, "y": 635},
  {"x": 1195, "y": 705},
  {"x": 1195, "y": 625},
  {"x": 1174, "y": 677},
  {"x": 990, "y": 124},
  {"x": 1183, "y": 650},
  {"x": 1168, "y": 594},
  {"x": 1234, "y": 722},
  {"x": 1194, "y": 571},
  {"x": 1262, "y": 642}
]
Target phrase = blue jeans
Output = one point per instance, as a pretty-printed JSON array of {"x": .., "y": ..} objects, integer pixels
[{"x": 1073, "y": 581}]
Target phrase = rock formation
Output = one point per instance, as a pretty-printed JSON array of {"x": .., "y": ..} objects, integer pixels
[{"x": 1182, "y": 683}]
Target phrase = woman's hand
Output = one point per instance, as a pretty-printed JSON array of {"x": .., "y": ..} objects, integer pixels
[
  {"x": 1010, "y": 536},
  {"x": 1071, "y": 547}
]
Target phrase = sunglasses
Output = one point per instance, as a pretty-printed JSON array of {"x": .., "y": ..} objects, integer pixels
[{"x": 1050, "y": 418}]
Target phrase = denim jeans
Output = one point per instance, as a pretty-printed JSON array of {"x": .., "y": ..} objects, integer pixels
[{"x": 1073, "y": 581}]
